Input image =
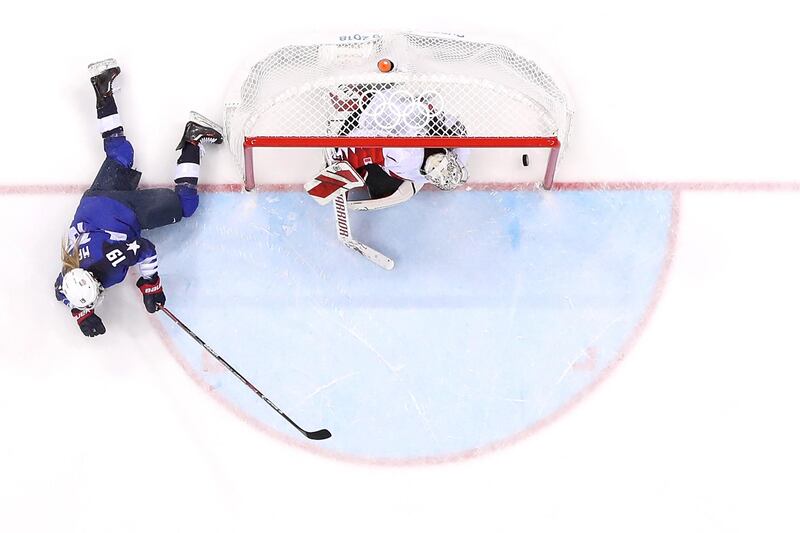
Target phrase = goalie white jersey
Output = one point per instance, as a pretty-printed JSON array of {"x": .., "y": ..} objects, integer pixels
[
  {"x": 398, "y": 113},
  {"x": 402, "y": 163}
]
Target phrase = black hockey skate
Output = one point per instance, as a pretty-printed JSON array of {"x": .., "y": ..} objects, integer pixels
[
  {"x": 102, "y": 75},
  {"x": 200, "y": 130}
]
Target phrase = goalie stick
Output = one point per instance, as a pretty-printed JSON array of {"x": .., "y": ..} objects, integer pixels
[
  {"x": 320, "y": 434},
  {"x": 342, "y": 218},
  {"x": 343, "y": 232}
]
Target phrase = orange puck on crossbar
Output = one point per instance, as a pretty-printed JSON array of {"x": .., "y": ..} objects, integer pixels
[{"x": 385, "y": 65}]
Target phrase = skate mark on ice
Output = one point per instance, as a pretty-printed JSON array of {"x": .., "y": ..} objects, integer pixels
[{"x": 330, "y": 384}]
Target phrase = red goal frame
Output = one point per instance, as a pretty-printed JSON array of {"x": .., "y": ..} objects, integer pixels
[{"x": 551, "y": 143}]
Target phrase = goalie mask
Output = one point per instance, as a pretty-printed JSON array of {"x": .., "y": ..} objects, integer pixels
[
  {"x": 445, "y": 170},
  {"x": 81, "y": 289}
]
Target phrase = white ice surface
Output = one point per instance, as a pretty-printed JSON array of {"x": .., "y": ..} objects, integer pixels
[{"x": 695, "y": 431}]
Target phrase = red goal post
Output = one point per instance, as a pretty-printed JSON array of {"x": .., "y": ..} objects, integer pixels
[
  {"x": 442, "y": 92},
  {"x": 552, "y": 143}
]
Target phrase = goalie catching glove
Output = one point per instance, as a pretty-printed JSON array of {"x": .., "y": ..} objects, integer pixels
[{"x": 152, "y": 293}]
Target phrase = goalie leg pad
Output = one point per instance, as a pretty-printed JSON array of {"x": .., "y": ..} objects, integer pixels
[{"x": 332, "y": 181}]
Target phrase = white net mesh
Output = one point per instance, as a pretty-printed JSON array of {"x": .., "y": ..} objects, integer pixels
[{"x": 440, "y": 86}]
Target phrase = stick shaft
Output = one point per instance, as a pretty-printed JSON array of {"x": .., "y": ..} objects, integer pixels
[{"x": 227, "y": 365}]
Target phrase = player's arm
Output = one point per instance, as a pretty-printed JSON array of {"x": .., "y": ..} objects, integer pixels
[
  {"x": 118, "y": 256},
  {"x": 90, "y": 324},
  {"x": 149, "y": 283},
  {"x": 146, "y": 258}
]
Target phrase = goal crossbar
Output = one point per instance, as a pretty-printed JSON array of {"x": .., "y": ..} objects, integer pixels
[{"x": 553, "y": 143}]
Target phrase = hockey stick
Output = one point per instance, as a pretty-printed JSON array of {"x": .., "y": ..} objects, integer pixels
[
  {"x": 320, "y": 434},
  {"x": 343, "y": 232},
  {"x": 343, "y": 227}
]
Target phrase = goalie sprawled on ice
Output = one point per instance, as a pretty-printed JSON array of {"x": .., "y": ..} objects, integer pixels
[
  {"x": 392, "y": 175},
  {"x": 381, "y": 177}
]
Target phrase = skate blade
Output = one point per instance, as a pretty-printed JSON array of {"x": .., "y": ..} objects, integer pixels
[
  {"x": 101, "y": 66},
  {"x": 194, "y": 116}
]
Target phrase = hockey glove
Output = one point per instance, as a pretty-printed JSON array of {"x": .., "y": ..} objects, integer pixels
[
  {"x": 90, "y": 323},
  {"x": 152, "y": 294}
]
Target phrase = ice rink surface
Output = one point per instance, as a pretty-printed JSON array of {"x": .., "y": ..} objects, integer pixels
[
  {"x": 452, "y": 351},
  {"x": 618, "y": 354}
]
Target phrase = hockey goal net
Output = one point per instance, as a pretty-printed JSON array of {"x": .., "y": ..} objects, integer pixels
[{"x": 397, "y": 90}]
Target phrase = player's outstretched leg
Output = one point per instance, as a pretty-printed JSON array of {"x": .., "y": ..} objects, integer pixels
[
  {"x": 102, "y": 75},
  {"x": 117, "y": 172},
  {"x": 198, "y": 131}
]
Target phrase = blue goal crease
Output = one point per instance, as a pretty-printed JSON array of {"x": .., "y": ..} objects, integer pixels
[{"x": 503, "y": 306}]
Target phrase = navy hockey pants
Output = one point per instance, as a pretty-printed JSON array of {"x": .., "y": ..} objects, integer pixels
[{"x": 119, "y": 181}]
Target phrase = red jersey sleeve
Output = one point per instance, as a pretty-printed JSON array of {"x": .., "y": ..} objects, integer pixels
[{"x": 359, "y": 157}]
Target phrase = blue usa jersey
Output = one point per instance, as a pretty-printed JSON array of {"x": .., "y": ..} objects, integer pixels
[{"x": 108, "y": 237}]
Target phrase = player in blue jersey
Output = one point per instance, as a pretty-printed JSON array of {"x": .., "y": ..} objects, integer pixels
[{"x": 105, "y": 237}]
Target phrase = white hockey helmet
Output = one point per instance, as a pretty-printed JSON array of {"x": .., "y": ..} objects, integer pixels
[
  {"x": 81, "y": 289},
  {"x": 445, "y": 170}
]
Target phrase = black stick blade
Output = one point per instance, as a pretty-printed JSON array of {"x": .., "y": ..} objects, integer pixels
[{"x": 320, "y": 434}]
